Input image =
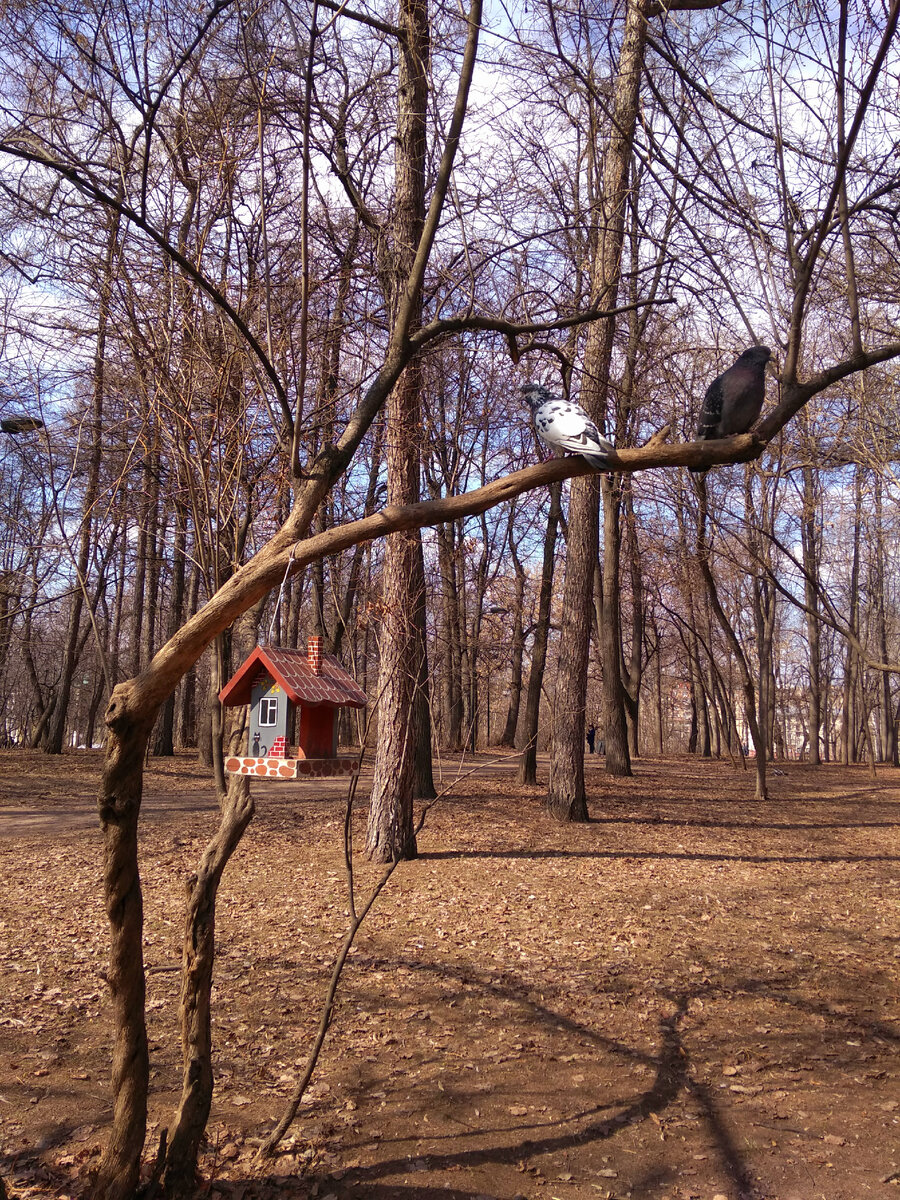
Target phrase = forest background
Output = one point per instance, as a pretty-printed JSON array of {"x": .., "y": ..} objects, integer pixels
[{"x": 272, "y": 278}]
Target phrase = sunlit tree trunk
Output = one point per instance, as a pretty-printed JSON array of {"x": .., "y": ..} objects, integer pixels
[
  {"x": 390, "y": 829},
  {"x": 851, "y": 657},
  {"x": 508, "y": 736},
  {"x": 566, "y": 798},
  {"x": 615, "y": 725},
  {"x": 531, "y": 716},
  {"x": 811, "y": 542}
]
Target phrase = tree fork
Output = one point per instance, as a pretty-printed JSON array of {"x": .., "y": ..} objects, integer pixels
[{"x": 135, "y": 703}]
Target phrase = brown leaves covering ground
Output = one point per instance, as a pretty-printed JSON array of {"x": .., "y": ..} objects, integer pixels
[{"x": 694, "y": 995}]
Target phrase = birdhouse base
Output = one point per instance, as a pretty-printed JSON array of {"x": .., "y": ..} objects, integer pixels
[{"x": 292, "y": 768}]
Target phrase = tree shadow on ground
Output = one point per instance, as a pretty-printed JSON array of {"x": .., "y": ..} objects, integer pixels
[
  {"x": 673, "y": 1077},
  {"x": 660, "y": 855}
]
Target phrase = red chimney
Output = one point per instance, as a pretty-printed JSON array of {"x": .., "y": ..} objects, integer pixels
[{"x": 314, "y": 655}]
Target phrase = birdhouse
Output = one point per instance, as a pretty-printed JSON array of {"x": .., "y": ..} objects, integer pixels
[{"x": 294, "y": 697}]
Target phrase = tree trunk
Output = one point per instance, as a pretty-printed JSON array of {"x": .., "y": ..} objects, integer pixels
[
  {"x": 809, "y": 528},
  {"x": 400, "y": 754},
  {"x": 508, "y": 736},
  {"x": 90, "y": 730},
  {"x": 451, "y": 673},
  {"x": 632, "y": 673},
  {"x": 887, "y": 728},
  {"x": 139, "y": 576},
  {"x": 423, "y": 776},
  {"x": 750, "y": 711},
  {"x": 165, "y": 731},
  {"x": 150, "y": 606},
  {"x": 474, "y": 596},
  {"x": 198, "y": 955},
  {"x": 566, "y": 799},
  {"x": 528, "y": 765},
  {"x": 699, "y": 741},
  {"x": 615, "y": 727},
  {"x": 851, "y": 658},
  {"x": 119, "y": 804},
  {"x": 390, "y": 831}
]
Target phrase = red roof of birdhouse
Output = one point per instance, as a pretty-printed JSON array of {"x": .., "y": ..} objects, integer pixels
[{"x": 292, "y": 669}]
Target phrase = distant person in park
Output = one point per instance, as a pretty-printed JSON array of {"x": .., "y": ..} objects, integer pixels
[{"x": 590, "y": 735}]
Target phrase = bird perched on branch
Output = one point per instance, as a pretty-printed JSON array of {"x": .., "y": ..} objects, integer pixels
[
  {"x": 564, "y": 425},
  {"x": 20, "y": 424},
  {"x": 734, "y": 399}
]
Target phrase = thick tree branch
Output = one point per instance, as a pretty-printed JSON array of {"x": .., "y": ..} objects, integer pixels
[
  {"x": 657, "y": 10},
  {"x": 796, "y": 395},
  {"x": 353, "y": 14},
  {"x": 266, "y": 569},
  {"x": 511, "y": 329}
]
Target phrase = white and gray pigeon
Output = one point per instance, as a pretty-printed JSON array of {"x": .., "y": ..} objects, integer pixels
[
  {"x": 734, "y": 399},
  {"x": 564, "y": 425}
]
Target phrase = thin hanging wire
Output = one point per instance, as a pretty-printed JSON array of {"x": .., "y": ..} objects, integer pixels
[{"x": 287, "y": 570}]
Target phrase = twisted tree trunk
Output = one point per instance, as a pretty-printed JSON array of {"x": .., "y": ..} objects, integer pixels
[
  {"x": 120, "y": 802},
  {"x": 198, "y": 955}
]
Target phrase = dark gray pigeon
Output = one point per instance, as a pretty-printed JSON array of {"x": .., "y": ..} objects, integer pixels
[
  {"x": 20, "y": 424},
  {"x": 734, "y": 399},
  {"x": 564, "y": 425}
]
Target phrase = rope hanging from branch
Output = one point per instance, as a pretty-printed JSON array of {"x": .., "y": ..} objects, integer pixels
[{"x": 287, "y": 571}]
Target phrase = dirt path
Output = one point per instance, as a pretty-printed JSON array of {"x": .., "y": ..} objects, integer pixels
[{"x": 57, "y": 796}]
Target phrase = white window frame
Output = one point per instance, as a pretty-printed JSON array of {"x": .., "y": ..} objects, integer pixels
[{"x": 268, "y": 711}]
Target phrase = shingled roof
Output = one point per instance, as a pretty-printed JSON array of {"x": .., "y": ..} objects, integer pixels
[{"x": 291, "y": 669}]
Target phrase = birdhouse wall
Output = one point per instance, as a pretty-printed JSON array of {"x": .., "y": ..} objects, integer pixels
[
  {"x": 269, "y": 717},
  {"x": 317, "y": 737}
]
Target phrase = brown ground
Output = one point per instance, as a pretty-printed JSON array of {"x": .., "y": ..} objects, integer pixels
[{"x": 694, "y": 995}]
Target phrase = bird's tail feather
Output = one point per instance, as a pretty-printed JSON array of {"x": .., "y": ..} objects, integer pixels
[{"x": 600, "y": 462}]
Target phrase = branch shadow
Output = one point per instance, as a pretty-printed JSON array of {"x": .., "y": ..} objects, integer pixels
[{"x": 672, "y": 1078}]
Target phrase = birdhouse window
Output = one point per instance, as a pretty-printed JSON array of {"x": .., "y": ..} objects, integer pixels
[{"x": 268, "y": 711}]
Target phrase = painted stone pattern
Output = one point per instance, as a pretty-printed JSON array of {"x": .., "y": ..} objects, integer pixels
[{"x": 291, "y": 768}]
